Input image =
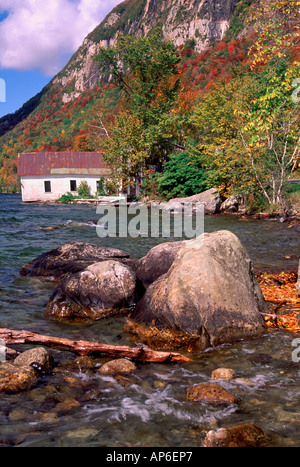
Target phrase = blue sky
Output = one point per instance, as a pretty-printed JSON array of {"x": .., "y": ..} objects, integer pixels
[{"x": 37, "y": 38}]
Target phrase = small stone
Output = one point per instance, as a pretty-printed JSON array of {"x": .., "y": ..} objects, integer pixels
[
  {"x": 245, "y": 381},
  {"x": 83, "y": 363},
  {"x": 223, "y": 373},
  {"x": 67, "y": 405},
  {"x": 248, "y": 435},
  {"x": 119, "y": 366},
  {"x": 261, "y": 359},
  {"x": 49, "y": 417},
  {"x": 159, "y": 384},
  {"x": 211, "y": 393},
  {"x": 14, "y": 378},
  {"x": 17, "y": 415},
  {"x": 36, "y": 355},
  {"x": 82, "y": 433},
  {"x": 125, "y": 382}
]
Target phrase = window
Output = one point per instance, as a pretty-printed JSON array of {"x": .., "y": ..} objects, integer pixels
[
  {"x": 47, "y": 187},
  {"x": 73, "y": 185}
]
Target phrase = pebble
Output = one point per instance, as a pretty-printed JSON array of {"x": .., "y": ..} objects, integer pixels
[
  {"x": 245, "y": 381},
  {"x": 119, "y": 366},
  {"x": 223, "y": 373},
  {"x": 248, "y": 435},
  {"x": 211, "y": 393}
]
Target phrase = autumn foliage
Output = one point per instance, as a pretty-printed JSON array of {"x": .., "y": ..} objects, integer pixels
[
  {"x": 279, "y": 291},
  {"x": 271, "y": 44}
]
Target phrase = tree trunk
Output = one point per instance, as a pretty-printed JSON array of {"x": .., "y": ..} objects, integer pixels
[{"x": 144, "y": 354}]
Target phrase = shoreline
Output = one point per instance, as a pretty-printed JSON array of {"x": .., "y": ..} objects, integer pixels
[{"x": 293, "y": 220}]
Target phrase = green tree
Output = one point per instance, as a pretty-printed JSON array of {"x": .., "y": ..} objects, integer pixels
[
  {"x": 218, "y": 147},
  {"x": 249, "y": 132},
  {"x": 182, "y": 177},
  {"x": 145, "y": 70},
  {"x": 84, "y": 190}
]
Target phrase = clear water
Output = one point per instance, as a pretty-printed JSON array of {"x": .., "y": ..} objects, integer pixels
[{"x": 75, "y": 407}]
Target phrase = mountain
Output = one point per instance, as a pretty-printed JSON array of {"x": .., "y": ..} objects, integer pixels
[
  {"x": 204, "y": 21},
  {"x": 59, "y": 118}
]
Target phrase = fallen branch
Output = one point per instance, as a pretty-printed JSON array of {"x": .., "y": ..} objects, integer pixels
[{"x": 142, "y": 353}]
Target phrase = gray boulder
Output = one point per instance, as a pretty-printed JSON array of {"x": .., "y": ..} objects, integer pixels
[
  {"x": 101, "y": 290},
  {"x": 72, "y": 258},
  {"x": 210, "y": 198},
  {"x": 209, "y": 296},
  {"x": 157, "y": 262},
  {"x": 231, "y": 204}
]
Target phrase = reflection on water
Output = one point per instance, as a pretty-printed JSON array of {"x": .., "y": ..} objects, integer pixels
[{"x": 85, "y": 408}]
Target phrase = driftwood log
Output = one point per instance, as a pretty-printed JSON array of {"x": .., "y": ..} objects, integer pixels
[{"x": 144, "y": 354}]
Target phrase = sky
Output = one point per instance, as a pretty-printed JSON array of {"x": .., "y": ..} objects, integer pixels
[{"x": 37, "y": 39}]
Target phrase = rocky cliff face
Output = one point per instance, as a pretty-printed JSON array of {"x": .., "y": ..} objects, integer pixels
[{"x": 205, "y": 21}]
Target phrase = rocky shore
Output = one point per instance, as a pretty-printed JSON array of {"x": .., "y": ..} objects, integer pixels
[
  {"x": 189, "y": 295},
  {"x": 71, "y": 384}
]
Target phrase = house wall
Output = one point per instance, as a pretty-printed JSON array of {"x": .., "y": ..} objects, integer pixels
[{"x": 33, "y": 187}]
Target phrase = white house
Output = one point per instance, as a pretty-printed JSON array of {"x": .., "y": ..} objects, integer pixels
[{"x": 47, "y": 176}]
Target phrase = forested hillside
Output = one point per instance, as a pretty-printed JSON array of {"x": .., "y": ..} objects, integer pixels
[{"x": 227, "y": 105}]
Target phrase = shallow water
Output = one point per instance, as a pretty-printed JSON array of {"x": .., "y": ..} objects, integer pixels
[{"x": 85, "y": 408}]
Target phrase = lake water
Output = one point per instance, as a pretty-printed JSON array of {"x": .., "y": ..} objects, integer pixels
[{"x": 152, "y": 410}]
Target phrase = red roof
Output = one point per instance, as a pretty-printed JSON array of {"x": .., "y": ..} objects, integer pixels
[{"x": 47, "y": 163}]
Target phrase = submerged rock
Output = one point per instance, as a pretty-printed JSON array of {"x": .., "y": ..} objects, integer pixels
[
  {"x": 209, "y": 296},
  {"x": 223, "y": 373},
  {"x": 72, "y": 258},
  {"x": 211, "y": 393},
  {"x": 97, "y": 292},
  {"x": 248, "y": 435}
]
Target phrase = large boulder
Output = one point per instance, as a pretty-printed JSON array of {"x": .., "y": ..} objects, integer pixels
[
  {"x": 157, "y": 262},
  {"x": 210, "y": 198},
  {"x": 101, "y": 290},
  {"x": 209, "y": 296},
  {"x": 298, "y": 281},
  {"x": 71, "y": 258}
]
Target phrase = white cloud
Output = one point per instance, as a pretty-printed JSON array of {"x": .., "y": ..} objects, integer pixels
[{"x": 40, "y": 34}]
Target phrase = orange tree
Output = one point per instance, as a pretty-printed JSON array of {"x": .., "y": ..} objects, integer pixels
[{"x": 249, "y": 125}]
